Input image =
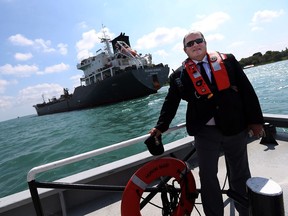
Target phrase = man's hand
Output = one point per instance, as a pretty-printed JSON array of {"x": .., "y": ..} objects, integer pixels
[
  {"x": 256, "y": 130},
  {"x": 155, "y": 132}
]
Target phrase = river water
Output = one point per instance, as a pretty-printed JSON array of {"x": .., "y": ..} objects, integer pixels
[{"x": 32, "y": 141}]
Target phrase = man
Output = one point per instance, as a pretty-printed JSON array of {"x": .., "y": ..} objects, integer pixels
[{"x": 222, "y": 107}]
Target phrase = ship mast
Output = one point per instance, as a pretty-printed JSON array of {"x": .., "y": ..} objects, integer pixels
[
  {"x": 105, "y": 39},
  {"x": 43, "y": 98}
]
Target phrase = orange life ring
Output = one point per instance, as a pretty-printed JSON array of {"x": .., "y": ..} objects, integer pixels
[{"x": 152, "y": 171}]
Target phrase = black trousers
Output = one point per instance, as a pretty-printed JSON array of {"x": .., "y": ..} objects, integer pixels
[{"x": 209, "y": 144}]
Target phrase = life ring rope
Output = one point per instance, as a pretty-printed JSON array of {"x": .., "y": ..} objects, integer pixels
[{"x": 152, "y": 171}]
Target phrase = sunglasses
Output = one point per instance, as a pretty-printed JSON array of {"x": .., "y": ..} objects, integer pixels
[{"x": 191, "y": 43}]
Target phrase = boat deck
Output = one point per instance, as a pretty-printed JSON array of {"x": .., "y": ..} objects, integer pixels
[{"x": 266, "y": 160}]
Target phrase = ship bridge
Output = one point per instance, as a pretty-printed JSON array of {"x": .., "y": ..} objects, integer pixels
[{"x": 92, "y": 64}]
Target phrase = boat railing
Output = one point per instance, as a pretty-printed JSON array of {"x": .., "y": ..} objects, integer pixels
[
  {"x": 273, "y": 119},
  {"x": 34, "y": 185},
  {"x": 46, "y": 167}
]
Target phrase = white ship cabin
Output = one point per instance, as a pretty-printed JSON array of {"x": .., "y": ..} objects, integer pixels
[
  {"x": 95, "y": 68},
  {"x": 92, "y": 64},
  {"x": 106, "y": 64}
]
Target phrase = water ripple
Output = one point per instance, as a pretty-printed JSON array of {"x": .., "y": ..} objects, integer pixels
[{"x": 32, "y": 141}]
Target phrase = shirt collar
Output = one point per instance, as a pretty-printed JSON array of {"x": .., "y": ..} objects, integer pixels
[{"x": 205, "y": 59}]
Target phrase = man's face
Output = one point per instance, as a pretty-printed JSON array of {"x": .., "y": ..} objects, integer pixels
[{"x": 195, "y": 48}]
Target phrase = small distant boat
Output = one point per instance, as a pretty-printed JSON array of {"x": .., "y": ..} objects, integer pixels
[
  {"x": 110, "y": 77},
  {"x": 248, "y": 66}
]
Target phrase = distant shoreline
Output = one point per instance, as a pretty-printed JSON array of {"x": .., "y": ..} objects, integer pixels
[{"x": 269, "y": 57}]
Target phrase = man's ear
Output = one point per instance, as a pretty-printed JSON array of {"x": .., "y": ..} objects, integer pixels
[{"x": 184, "y": 49}]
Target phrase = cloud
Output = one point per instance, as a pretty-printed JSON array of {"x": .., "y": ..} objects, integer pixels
[
  {"x": 160, "y": 37},
  {"x": 20, "y": 40},
  {"x": 35, "y": 93},
  {"x": 39, "y": 44},
  {"x": 256, "y": 28},
  {"x": 210, "y": 22},
  {"x": 82, "y": 25},
  {"x": 19, "y": 70},
  {"x": 62, "y": 48},
  {"x": 56, "y": 68},
  {"x": 28, "y": 70},
  {"x": 161, "y": 53},
  {"x": 3, "y": 84},
  {"x": 237, "y": 44},
  {"x": 6, "y": 102},
  {"x": 76, "y": 80},
  {"x": 264, "y": 16},
  {"x": 32, "y": 94},
  {"x": 163, "y": 36},
  {"x": 214, "y": 37},
  {"x": 178, "y": 47},
  {"x": 43, "y": 45},
  {"x": 23, "y": 56},
  {"x": 88, "y": 42}
]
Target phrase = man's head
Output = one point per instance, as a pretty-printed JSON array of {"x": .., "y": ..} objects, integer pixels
[{"x": 195, "y": 45}]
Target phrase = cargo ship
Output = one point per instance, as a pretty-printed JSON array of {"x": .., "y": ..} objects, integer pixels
[{"x": 113, "y": 75}]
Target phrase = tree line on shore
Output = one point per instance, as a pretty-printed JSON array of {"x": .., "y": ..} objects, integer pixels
[{"x": 268, "y": 57}]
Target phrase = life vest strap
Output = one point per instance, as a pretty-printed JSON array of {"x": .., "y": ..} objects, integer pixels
[{"x": 218, "y": 70}]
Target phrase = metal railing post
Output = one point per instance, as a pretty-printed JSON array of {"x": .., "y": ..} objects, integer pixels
[{"x": 35, "y": 198}]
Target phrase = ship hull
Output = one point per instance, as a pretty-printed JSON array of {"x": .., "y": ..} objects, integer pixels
[{"x": 129, "y": 84}]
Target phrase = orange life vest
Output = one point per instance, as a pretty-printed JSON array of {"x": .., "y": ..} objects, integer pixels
[{"x": 218, "y": 70}]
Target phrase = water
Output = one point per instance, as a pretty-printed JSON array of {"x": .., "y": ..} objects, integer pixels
[{"x": 32, "y": 141}]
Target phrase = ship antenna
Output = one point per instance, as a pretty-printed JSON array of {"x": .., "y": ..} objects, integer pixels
[
  {"x": 43, "y": 98},
  {"x": 105, "y": 39}
]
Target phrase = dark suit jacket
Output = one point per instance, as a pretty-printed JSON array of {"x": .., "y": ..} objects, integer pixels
[{"x": 233, "y": 109}]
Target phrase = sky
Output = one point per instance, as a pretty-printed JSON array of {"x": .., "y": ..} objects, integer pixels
[{"x": 41, "y": 42}]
